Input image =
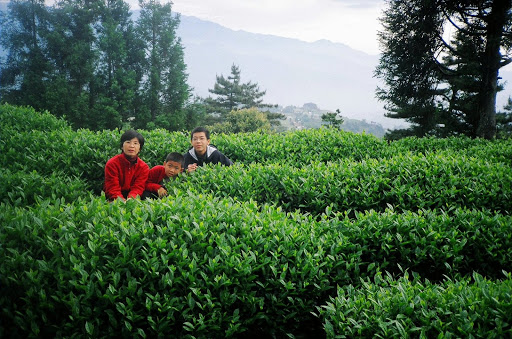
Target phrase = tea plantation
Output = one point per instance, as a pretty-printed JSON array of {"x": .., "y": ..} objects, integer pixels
[{"x": 311, "y": 234}]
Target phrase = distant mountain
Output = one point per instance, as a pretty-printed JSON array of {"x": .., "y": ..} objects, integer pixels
[{"x": 293, "y": 72}]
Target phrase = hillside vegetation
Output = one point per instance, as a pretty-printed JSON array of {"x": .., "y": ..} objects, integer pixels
[{"x": 315, "y": 233}]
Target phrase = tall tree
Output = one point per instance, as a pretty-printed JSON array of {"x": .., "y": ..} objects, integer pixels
[
  {"x": 85, "y": 59},
  {"x": 407, "y": 64},
  {"x": 79, "y": 56},
  {"x": 25, "y": 68},
  {"x": 165, "y": 90},
  {"x": 460, "y": 71},
  {"x": 116, "y": 80}
]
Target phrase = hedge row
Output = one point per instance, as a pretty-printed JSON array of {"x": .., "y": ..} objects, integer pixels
[
  {"x": 388, "y": 308},
  {"x": 38, "y": 141},
  {"x": 25, "y": 189},
  {"x": 196, "y": 265},
  {"x": 299, "y": 148},
  {"x": 404, "y": 182},
  {"x": 24, "y": 119}
]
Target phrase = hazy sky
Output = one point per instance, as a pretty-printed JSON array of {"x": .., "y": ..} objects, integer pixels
[{"x": 351, "y": 22}]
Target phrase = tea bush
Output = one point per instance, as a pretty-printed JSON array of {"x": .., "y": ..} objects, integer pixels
[
  {"x": 24, "y": 119},
  {"x": 257, "y": 249},
  {"x": 38, "y": 141},
  {"x": 26, "y": 188},
  {"x": 196, "y": 265},
  {"x": 172, "y": 267},
  {"x": 388, "y": 308},
  {"x": 405, "y": 182},
  {"x": 299, "y": 148}
]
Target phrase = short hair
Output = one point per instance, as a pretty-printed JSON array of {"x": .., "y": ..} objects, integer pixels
[
  {"x": 129, "y": 135},
  {"x": 176, "y": 157},
  {"x": 199, "y": 130}
]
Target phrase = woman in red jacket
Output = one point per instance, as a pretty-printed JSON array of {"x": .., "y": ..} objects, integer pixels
[{"x": 126, "y": 174}]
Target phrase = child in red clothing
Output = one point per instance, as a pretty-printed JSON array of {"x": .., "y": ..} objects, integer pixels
[
  {"x": 126, "y": 174},
  {"x": 160, "y": 175}
]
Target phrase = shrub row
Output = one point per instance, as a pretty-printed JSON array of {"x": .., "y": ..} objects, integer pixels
[
  {"x": 196, "y": 265},
  {"x": 299, "y": 148},
  {"x": 405, "y": 182},
  {"x": 490, "y": 150},
  {"x": 24, "y": 119},
  {"x": 25, "y": 189},
  {"x": 388, "y": 308},
  {"x": 80, "y": 153},
  {"x": 38, "y": 141}
]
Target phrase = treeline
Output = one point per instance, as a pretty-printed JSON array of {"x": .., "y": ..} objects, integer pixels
[
  {"x": 96, "y": 65},
  {"x": 445, "y": 84}
]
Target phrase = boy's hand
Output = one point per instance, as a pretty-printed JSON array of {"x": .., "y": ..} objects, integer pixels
[
  {"x": 162, "y": 192},
  {"x": 191, "y": 168}
]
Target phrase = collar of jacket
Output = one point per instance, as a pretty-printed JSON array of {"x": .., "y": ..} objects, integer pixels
[
  {"x": 128, "y": 160},
  {"x": 209, "y": 150}
]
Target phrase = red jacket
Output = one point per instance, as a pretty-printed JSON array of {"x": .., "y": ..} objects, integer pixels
[
  {"x": 155, "y": 177},
  {"x": 125, "y": 179}
]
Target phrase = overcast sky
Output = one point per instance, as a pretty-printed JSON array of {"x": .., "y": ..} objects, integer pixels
[{"x": 351, "y": 22}]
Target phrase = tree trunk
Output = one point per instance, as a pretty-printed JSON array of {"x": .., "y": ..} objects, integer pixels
[{"x": 490, "y": 67}]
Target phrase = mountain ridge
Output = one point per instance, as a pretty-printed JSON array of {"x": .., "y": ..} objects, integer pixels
[{"x": 293, "y": 72}]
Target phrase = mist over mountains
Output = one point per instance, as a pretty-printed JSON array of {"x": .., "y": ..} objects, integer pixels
[{"x": 293, "y": 72}]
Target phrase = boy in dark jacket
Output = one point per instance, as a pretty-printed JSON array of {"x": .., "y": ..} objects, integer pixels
[
  {"x": 160, "y": 175},
  {"x": 202, "y": 152}
]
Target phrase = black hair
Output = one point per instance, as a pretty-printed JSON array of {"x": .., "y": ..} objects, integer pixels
[
  {"x": 129, "y": 135},
  {"x": 199, "y": 130},
  {"x": 176, "y": 157}
]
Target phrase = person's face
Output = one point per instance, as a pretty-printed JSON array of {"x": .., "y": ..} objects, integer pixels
[
  {"x": 131, "y": 148},
  {"x": 172, "y": 168},
  {"x": 199, "y": 142}
]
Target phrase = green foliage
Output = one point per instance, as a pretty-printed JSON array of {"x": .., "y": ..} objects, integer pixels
[
  {"x": 292, "y": 241},
  {"x": 405, "y": 182},
  {"x": 90, "y": 63},
  {"x": 402, "y": 308},
  {"x": 164, "y": 78},
  {"x": 232, "y": 95},
  {"x": 298, "y": 148},
  {"x": 15, "y": 119},
  {"x": 160, "y": 269},
  {"x": 443, "y": 87},
  {"x": 193, "y": 264},
  {"x": 27, "y": 188},
  {"x": 407, "y": 64}
]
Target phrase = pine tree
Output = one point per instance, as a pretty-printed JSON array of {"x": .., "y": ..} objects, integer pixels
[
  {"x": 333, "y": 119},
  {"x": 231, "y": 94},
  {"x": 451, "y": 83},
  {"x": 407, "y": 64}
]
